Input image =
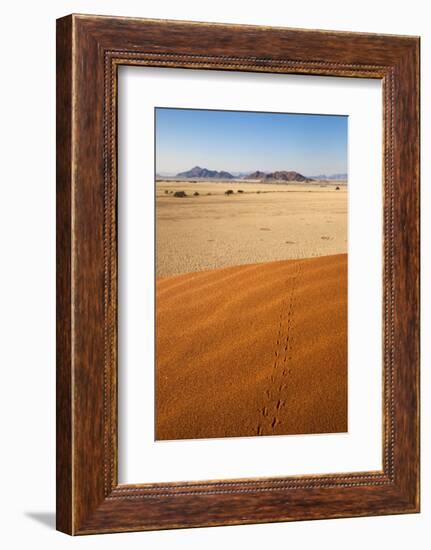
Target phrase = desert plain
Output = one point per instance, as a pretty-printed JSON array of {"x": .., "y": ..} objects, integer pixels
[{"x": 251, "y": 309}]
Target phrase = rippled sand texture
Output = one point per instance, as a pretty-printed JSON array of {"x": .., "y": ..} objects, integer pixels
[
  {"x": 256, "y": 349},
  {"x": 264, "y": 223}
]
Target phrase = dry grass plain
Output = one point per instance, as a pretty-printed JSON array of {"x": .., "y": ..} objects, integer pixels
[
  {"x": 267, "y": 222},
  {"x": 251, "y": 310}
]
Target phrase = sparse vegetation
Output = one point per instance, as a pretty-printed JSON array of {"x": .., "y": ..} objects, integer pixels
[
  {"x": 240, "y": 191},
  {"x": 337, "y": 188},
  {"x": 166, "y": 192},
  {"x": 196, "y": 194},
  {"x": 229, "y": 192},
  {"x": 314, "y": 223}
]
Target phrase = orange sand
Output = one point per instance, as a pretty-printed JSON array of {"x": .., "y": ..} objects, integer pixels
[{"x": 253, "y": 350}]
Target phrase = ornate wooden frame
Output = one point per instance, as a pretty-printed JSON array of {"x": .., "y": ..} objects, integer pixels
[{"x": 89, "y": 51}]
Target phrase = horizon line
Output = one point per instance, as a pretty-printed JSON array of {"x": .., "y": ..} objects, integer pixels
[{"x": 249, "y": 171}]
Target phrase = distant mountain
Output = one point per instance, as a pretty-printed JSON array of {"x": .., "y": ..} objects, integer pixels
[
  {"x": 198, "y": 172},
  {"x": 331, "y": 177},
  {"x": 258, "y": 175},
  {"x": 279, "y": 176},
  {"x": 284, "y": 175}
]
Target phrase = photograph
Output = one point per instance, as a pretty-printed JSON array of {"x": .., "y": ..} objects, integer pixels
[{"x": 251, "y": 285}]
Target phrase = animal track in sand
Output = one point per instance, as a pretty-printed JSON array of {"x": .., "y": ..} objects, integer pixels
[
  {"x": 275, "y": 397},
  {"x": 274, "y": 423}
]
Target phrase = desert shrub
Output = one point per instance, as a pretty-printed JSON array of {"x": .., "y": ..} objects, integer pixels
[
  {"x": 166, "y": 192},
  {"x": 240, "y": 191},
  {"x": 180, "y": 194},
  {"x": 337, "y": 188},
  {"x": 229, "y": 192},
  {"x": 196, "y": 194}
]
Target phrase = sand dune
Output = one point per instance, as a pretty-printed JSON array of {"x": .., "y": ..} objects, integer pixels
[{"x": 255, "y": 349}]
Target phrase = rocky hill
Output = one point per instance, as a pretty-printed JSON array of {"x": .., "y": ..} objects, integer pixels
[
  {"x": 284, "y": 175},
  {"x": 198, "y": 172},
  {"x": 258, "y": 175}
]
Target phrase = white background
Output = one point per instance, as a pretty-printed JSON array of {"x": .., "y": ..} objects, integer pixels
[
  {"x": 27, "y": 240},
  {"x": 141, "y": 458}
]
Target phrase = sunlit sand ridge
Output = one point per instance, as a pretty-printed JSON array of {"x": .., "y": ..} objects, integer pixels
[{"x": 258, "y": 349}]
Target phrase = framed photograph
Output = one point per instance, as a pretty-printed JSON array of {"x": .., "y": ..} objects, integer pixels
[{"x": 237, "y": 274}]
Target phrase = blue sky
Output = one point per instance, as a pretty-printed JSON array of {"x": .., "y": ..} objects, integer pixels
[{"x": 239, "y": 141}]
